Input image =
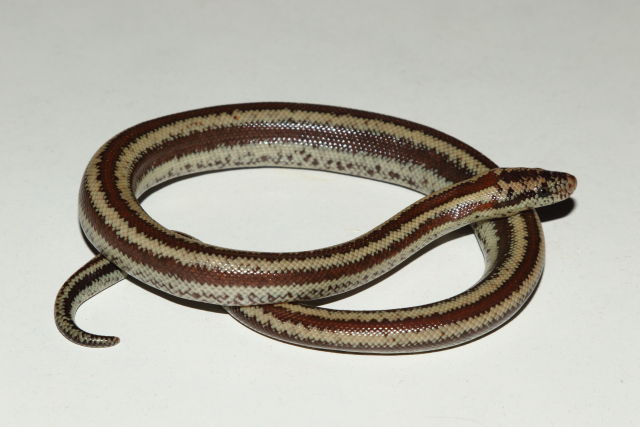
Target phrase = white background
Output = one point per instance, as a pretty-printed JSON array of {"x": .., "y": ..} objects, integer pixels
[{"x": 551, "y": 84}]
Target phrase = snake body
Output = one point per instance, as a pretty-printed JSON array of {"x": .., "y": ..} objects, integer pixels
[{"x": 263, "y": 290}]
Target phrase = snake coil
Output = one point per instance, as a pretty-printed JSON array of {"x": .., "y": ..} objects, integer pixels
[{"x": 265, "y": 290}]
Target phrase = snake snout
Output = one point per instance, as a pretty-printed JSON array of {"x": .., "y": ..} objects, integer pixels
[
  {"x": 559, "y": 185},
  {"x": 572, "y": 183}
]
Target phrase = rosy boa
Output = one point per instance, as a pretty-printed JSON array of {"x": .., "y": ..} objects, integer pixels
[{"x": 264, "y": 290}]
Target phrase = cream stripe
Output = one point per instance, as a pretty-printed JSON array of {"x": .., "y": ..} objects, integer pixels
[
  {"x": 189, "y": 126},
  {"x": 410, "y": 176},
  {"x": 445, "y": 333},
  {"x": 482, "y": 289},
  {"x": 295, "y": 117},
  {"x": 219, "y": 294},
  {"x": 100, "y": 284},
  {"x": 89, "y": 271},
  {"x": 231, "y": 264}
]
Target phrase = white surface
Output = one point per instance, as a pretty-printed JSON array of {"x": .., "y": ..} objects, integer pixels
[{"x": 552, "y": 84}]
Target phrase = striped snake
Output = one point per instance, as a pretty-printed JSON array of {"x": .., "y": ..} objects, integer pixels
[{"x": 263, "y": 290}]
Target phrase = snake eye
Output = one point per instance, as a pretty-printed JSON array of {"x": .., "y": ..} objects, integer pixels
[{"x": 543, "y": 191}]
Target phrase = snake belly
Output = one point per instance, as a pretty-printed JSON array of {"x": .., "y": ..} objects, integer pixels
[{"x": 262, "y": 290}]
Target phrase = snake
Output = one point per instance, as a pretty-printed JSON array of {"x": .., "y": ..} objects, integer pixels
[{"x": 274, "y": 293}]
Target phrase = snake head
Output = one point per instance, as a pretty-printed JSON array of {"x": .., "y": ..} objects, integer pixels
[{"x": 526, "y": 188}]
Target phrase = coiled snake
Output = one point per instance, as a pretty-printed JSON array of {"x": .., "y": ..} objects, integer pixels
[{"x": 264, "y": 290}]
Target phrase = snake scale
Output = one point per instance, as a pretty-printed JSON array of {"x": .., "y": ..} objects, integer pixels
[{"x": 266, "y": 291}]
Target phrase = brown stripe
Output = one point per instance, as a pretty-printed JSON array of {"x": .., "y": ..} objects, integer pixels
[
  {"x": 432, "y": 322},
  {"x": 365, "y": 142},
  {"x": 369, "y": 143},
  {"x": 154, "y": 124},
  {"x": 217, "y": 277},
  {"x": 350, "y": 142},
  {"x": 74, "y": 290}
]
